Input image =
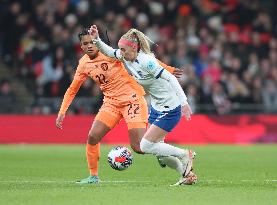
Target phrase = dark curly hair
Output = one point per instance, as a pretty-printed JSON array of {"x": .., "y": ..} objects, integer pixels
[{"x": 84, "y": 32}]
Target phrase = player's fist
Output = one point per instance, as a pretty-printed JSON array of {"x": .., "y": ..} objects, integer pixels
[
  {"x": 59, "y": 121},
  {"x": 93, "y": 31},
  {"x": 178, "y": 72}
]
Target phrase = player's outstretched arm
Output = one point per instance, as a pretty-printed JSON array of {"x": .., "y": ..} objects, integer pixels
[
  {"x": 103, "y": 47},
  {"x": 70, "y": 94}
]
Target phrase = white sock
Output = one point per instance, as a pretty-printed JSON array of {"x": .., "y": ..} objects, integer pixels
[
  {"x": 161, "y": 149},
  {"x": 173, "y": 163}
]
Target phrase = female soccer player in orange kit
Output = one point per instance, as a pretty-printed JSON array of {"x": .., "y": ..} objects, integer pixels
[{"x": 123, "y": 98}]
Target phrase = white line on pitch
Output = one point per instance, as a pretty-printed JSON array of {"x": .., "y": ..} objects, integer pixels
[
  {"x": 126, "y": 181},
  {"x": 242, "y": 180},
  {"x": 26, "y": 181}
]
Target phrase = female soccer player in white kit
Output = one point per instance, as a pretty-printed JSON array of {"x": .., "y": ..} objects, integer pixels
[{"x": 168, "y": 101}]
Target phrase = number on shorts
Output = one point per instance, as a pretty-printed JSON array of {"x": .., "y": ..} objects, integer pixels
[{"x": 133, "y": 109}]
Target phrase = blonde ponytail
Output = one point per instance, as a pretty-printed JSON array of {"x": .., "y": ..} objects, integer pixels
[{"x": 138, "y": 37}]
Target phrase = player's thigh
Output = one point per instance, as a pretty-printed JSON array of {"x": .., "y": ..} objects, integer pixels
[
  {"x": 135, "y": 113},
  {"x": 162, "y": 123},
  {"x": 106, "y": 119},
  {"x": 109, "y": 114}
]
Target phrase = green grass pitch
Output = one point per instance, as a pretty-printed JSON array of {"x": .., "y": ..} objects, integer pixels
[{"x": 46, "y": 174}]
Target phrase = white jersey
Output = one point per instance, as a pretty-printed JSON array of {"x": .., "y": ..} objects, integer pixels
[{"x": 164, "y": 89}]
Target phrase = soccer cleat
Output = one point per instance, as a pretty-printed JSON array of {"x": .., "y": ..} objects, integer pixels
[
  {"x": 89, "y": 180},
  {"x": 162, "y": 165},
  {"x": 188, "y": 162},
  {"x": 190, "y": 179}
]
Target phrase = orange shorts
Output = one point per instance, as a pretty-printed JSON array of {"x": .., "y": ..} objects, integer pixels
[{"x": 135, "y": 113}]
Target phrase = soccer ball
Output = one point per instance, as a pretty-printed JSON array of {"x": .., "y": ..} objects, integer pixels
[{"x": 120, "y": 158}]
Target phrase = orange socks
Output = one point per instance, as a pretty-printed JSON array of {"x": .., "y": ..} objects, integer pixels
[{"x": 93, "y": 155}]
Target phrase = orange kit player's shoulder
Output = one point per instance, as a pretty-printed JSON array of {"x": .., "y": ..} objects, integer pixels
[
  {"x": 107, "y": 58},
  {"x": 113, "y": 79},
  {"x": 82, "y": 61},
  {"x": 167, "y": 67}
]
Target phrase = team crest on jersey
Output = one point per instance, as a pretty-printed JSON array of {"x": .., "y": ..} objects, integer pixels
[
  {"x": 151, "y": 65},
  {"x": 104, "y": 66}
]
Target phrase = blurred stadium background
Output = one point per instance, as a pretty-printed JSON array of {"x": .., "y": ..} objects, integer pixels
[{"x": 226, "y": 48}]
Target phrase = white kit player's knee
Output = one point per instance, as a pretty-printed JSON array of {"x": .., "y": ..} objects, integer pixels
[
  {"x": 160, "y": 149},
  {"x": 146, "y": 146}
]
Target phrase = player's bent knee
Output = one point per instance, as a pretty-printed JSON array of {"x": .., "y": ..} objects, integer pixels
[
  {"x": 93, "y": 139},
  {"x": 146, "y": 146}
]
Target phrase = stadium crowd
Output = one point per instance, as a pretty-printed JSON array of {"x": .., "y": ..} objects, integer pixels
[{"x": 226, "y": 48}]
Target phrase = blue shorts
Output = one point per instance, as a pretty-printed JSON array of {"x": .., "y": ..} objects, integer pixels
[{"x": 165, "y": 120}]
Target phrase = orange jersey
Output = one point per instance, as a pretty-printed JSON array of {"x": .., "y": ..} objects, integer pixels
[{"x": 110, "y": 75}]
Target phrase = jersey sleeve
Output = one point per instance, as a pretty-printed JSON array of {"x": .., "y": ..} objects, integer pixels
[
  {"x": 71, "y": 92},
  {"x": 152, "y": 66},
  {"x": 167, "y": 67},
  {"x": 107, "y": 50},
  {"x": 176, "y": 86}
]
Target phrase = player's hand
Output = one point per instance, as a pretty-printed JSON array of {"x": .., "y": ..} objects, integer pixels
[
  {"x": 178, "y": 72},
  {"x": 93, "y": 31},
  {"x": 59, "y": 121},
  {"x": 186, "y": 111}
]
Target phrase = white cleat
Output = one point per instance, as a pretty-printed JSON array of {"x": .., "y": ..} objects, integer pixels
[
  {"x": 190, "y": 179},
  {"x": 188, "y": 162}
]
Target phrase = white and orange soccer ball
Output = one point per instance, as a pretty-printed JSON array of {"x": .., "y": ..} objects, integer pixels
[{"x": 120, "y": 158}]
